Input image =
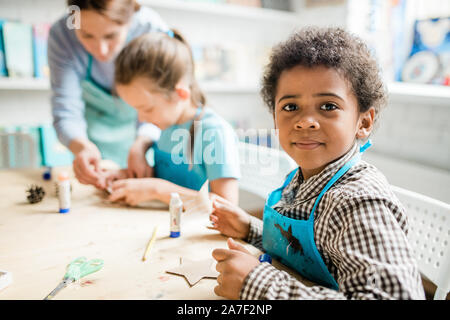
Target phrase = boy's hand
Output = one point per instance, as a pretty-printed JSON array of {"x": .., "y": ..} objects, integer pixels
[
  {"x": 229, "y": 219},
  {"x": 233, "y": 265},
  {"x": 134, "y": 191}
]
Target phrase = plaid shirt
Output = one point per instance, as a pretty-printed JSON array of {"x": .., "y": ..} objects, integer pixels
[{"x": 360, "y": 230}]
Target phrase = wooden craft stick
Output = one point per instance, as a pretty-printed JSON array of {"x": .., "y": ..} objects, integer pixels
[{"x": 150, "y": 243}]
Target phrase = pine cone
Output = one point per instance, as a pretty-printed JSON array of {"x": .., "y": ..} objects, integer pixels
[{"x": 35, "y": 194}]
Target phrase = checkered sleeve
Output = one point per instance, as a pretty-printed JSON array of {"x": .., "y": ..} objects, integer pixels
[
  {"x": 255, "y": 234},
  {"x": 267, "y": 282},
  {"x": 368, "y": 244},
  {"x": 369, "y": 252}
]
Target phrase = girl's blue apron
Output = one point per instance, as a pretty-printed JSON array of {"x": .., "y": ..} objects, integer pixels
[
  {"x": 291, "y": 241},
  {"x": 111, "y": 123}
]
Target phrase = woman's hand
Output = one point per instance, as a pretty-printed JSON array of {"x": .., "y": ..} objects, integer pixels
[
  {"x": 233, "y": 265},
  {"x": 137, "y": 163},
  {"x": 229, "y": 219},
  {"x": 86, "y": 163}
]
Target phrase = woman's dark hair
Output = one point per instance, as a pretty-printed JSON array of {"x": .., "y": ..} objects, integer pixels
[
  {"x": 119, "y": 11},
  {"x": 332, "y": 48}
]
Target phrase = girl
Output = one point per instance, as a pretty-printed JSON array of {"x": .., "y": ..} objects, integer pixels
[
  {"x": 155, "y": 74},
  {"x": 335, "y": 220}
]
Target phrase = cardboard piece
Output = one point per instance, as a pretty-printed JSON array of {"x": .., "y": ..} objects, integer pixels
[
  {"x": 200, "y": 204},
  {"x": 194, "y": 271}
]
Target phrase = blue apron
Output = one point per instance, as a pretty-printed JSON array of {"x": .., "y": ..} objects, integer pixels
[
  {"x": 111, "y": 123},
  {"x": 181, "y": 174},
  {"x": 291, "y": 241}
]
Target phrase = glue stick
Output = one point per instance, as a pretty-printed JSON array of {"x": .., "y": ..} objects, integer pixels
[
  {"x": 47, "y": 175},
  {"x": 175, "y": 208},
  {"x": 64, "y": 192}
]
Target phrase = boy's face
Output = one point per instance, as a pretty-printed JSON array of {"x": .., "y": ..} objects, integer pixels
[
  {"x": 317, "y": 116},
  {"x": 152, "y": 106}
]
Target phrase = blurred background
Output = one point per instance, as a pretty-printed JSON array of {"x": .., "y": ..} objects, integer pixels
[{"x": 231, "y": 40}]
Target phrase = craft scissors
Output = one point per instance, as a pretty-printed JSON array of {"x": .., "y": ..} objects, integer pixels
[{"x": 76, "y": 270}]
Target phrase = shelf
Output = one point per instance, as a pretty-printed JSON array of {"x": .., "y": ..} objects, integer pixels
[
  {"x": 398, "y": 91},
  {"x": 24, "y": 84},
  {"x": 419, "y": 93},
  {"x": 227, "y": 10},
  {"x": 44, "y": 84}
]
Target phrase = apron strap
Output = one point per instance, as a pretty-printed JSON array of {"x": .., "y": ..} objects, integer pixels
[
  {"x": 339, "y": 174},
  {"x": 289, "y": 178},
  {"x": 89, "y": 67},
  {"x": 366, "y": 146}
]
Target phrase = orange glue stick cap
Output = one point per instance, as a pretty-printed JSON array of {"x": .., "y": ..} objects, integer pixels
[{"x": 63, "y": 176}]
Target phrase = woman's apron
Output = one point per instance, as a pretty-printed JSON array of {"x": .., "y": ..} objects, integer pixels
[{"x": 111, "y": 122}]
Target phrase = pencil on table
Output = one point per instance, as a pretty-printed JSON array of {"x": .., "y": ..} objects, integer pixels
[{"x": 150, "y": 243}]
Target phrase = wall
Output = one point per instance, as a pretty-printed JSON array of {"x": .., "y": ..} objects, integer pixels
[
  {"x": 416, "y": 132},
  {"x": 412, "y": 143}
]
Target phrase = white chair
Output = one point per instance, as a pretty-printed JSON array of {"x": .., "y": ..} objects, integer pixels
[
  {"x": 17, "y": 150},
  {"x": 263, "y": 169},
  {"x": 429, "y": 235}
]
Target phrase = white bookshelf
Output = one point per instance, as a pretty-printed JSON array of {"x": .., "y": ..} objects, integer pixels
[
  {"x": 419, "y": 93},
  {"x": 24, "y": 84},
  {"x": 225, "y": 10},
  {"x": 398, "y": 91}
]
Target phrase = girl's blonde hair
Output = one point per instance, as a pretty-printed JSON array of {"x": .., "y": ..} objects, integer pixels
[{"x": 164, "y": 58}]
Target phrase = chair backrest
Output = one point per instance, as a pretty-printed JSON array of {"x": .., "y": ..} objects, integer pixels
[
  {"x": 17, "y": 150},
  {"x": 263, "y": 169},
  {"x": 429, "y": 236}
]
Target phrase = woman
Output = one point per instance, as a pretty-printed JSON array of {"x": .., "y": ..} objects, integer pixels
[{"x": 88, "y": 116}]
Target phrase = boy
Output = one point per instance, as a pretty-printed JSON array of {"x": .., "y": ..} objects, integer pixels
[{"x": 335, "y": 220}]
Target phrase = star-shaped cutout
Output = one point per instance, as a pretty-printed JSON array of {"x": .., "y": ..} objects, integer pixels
[{"x": 194, "y": 271}]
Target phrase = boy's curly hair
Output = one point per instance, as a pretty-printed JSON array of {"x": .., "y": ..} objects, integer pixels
[{"x": 333, "y": 48}]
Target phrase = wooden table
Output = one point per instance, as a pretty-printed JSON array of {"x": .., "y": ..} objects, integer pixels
[{"x": 37, "y": 242}]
